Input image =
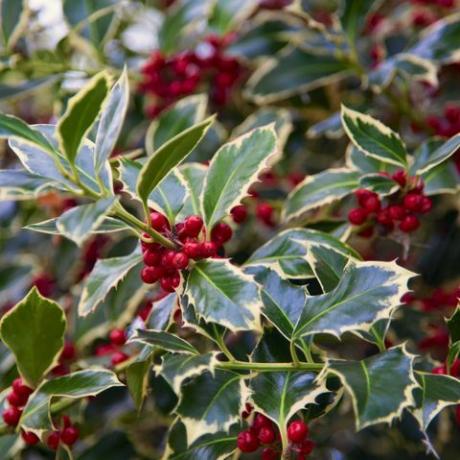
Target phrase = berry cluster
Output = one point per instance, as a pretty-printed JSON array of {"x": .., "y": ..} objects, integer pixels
[
  {"x": 447, "y": 124},
  {"x": 163, "y": 264},
  {"x": 264, "y": 433},
  {"x": 402, "y": 208},
  {"x": 437, "y": 300},
  {"x": 68, "y": 435},
  {"x": 117, "y": 339},
  {"x": 17, "y": 398},
  {"x": 168, "y": 79}
]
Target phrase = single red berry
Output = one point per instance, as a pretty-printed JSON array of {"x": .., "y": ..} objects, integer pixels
[
  {"x": 208, "y": 249},
  {"x": 68, "y": 353},
  {"x": 247, "y": 441},
  {"x": 193, "y": 225},
  {"x": 371, "y": 204},
  {"x": 70, "y": 435},
  {"x": 159, "y": 221},
  {"x": 239, "y": 213},
  {"x": 269, "y": 454},
  {"x": 221, "y": 233},
  {"x": 400, "y": 176},
  {"x": 21, "y": 388},
  {"x": 439, "y": 370},
  {"x": 167, "y": 259},
  {"x": 16, "y": 399},
  {"x": 117, "y": 337},
  {"x": 150, "y": 275},
  {"x": 452, "y": 113},
  {"x": 357, "y": 216},
  {"x": 396, "y": 212},
  {"x": 169, "y": 283},
  {"x": 306, "y": 447},
  {"x": 260, "y": 421},
  {"x": 66, "y": 422},
  {"x": 367, "y": 232},
  {"x": 266, "y": 435},
  {"x": 455, "y": 368},
  {"x": 413, "y": 202},
  {"x": 118, "y": 357},
  {"x": 427, "y": 204},
  {"x": 12, "y": 415},
  {"x": 384, "y": 218},
  {"x": 362, "y": 195},
  {"x": 180, "y": 260},
  {"x": 152, "y": 258},
  {"x": 297, "y": 431},
  {"x": 264, "y": 212},
  {"x": 409, "y": 224},
  {"x": 192, "y": 249},
  {"x": 29, "y": 438},
  {"x": 53, "y": 440}
]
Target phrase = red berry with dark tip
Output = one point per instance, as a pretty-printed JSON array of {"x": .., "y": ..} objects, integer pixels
[
  {"x": 21, "y": 388},
  {"x": 409, "y": 224},
  {"x": 53, "y": 439},
  {"x": 158, "y": 221},
  {"x": 152, "y": 258},
  {"x": 362, "y": 195},
  {"x": 180, "y": 260},
  {"x": 221, "y": 233},
  {"x": 297, "y": 431},
  {"x": 192, "y": 249},
  {"x": 413, "y": 202},
  {"x": 11, "y": 415},
  {"x": 396, "y": 212},
  {"x": 117, "y": 337},
  {"x": 16, "y": 399},
  {"x": 118, "y": 357},
  {"x": 31, "y": 439},
  {"x": 70, "y": 435},
  {"x": 150, "y": 275},
  {"x": 371, "y": 204},
  {"x": 193, "y": 225},
  {"x": 266, "y": 435},
  {"x": 400, "y": 176},
  {"x": 247, "y": 441},
  {"x": 239, "y": 213},
  {"x": 357, "y": 216},
  {"x": 269, "y": 454}
]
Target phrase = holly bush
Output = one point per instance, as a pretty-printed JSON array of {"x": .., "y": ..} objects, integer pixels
[{"x": 229, "y": 229}]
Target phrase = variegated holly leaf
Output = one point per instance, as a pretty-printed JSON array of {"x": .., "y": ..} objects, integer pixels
[
  {"x": 356, "y": 159},
  {"x": 294, "y": 71},
  {"x": 163, "y": 340},
  {"x": 377, "y": 285},
  {"x": 80, "y": 115},
  {"x": 137, "y": 376},
  {"x": 443, "y": 178},
  {"x": 415, "y": 68},
  {"x": 380, "y": 386},
  {"x": 373, "y": 138},
  {"x": 90, "y": 382},
  {"x": 17, "y": 184},
  {"x": 106, "y": 274},
  {"x": 193, "y": 176},
  {"x": 176, "y": 368},
  {"x": 279, "y": 395},
  {"x": 210, "y": 403},
  {"x": 234, "y": 168},
  {"x": 168, "y": 156},
  {"x": 379, "y": 183},
  {"x": 183, "y": 115},
  {"x": 79, "y": 222},
  {"x": 319, "y": 190},
  {"x": 161, "y": 314},
  {"x": 111, "y": 122},
  {"x": 34, "y": 331},
  {"x": 435, "y": 393},
  {"x": 330, "y": 127},
  {"x": 209, "y": 446},
  {"x": 222, "y": 293}
]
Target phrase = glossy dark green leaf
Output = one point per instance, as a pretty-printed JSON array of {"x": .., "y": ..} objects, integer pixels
[
  {"x": 80, "y": 115},
  {"x": 163, "y": 340},
  {"x": 380, "y": 386},
  {"x": 453, "y": 324},
  {"x": 193, "y": 176},
  {"x": 379, "y": 183},
  {"x": 442, "y": 179},
  {"x": 34, "y": 331},
  {"x": 234, "y": 168},
  {"x": 353, "y": 16},
  {"x": 162, "y": 311},
  {"x": 137, "y": 374}
]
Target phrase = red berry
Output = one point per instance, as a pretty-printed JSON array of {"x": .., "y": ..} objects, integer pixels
[
  {"x": 117, "y": 337},
  {"x": 118, "y": 357},
  {"x": 384, "y": 218},
  {"x": 439, "y": 370},
  {"x": 396, "y": 212},
  {"x": 193, "y": 225},
  {"x": 12, "y": 415},
  {"x": 247, "y": 441},
  {"x": 427, "y": 204},
  {"x": 29, "y": 438},
  {"x": 152, "y": 246},
  {"x": 68, "y": 353},
  {"x": 367, "y": 232},
  {"x": 150, "y": 275},
  {"x": 16, "y": 399},
  {"x": 221, "y": 233},
  {"x": 260, "y": 421},
  {"x": 53, "y": 440},
  {"x": 362, "y": 195},
  {"x": 413, "y": 202},
  {"x": 269, "y": 454},
  {"x": 169, "y": 283},
  {"x": 180, "y": 260},
  {"x": 264, "y": 212},
  {"x": 357, "y": 216},
  {"x": 159, "y": 221},
  {"x": 306, "y": 447},
  {"x": 400, "y": 176},
  {"x": 20, "y": 388},
  {"x": 70, "y": 435},
  {"x": 192, "y": 249},
  {"x": 266, "y": 435},
  {"x": 239, "y": 213},
  {"x": 152, "y": 258},
  {"x": 371, "y": 204},
  {"x": 167, "y": 259},
  {"x": 208, "y": 249},
  {"x": 452, "y": 113},
  {"x": 409, "y": 224},
  {"x": 297, "y": 431}
]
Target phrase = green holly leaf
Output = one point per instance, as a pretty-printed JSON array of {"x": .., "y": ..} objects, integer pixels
[
  {"x": 90, "y": 382},
  {"x": 163, "y": 340},
  {"x": 373, "y": 138},
  {"x": 14, "y": 15},
  {"x": 453, "y": 324},
  {"x": 294, "y": 71},
  {"x": 443, "y": 178},
  {"x": 233, "y": 169},
  {"x": 34, "y": 331},
  {"x": 353, "y": 16},
  {"x": 137, "y": 376},
  {"x": 356, "y": 159},
  {"x": 380, "y": 386},
  {"x": 112, "y": 117},
  {"x": 379, "y": 183},
  {"x": 222, "y": 293},
  {"x": 106, "y": 274},
  {"x": 80, "y": 115},
  {"x": 319, "y": 190},
  {"x": 161, "y": 316},
  {"x": 211, "y": 403},
  {"x": 193, "y": 176},
  {"x": 79, "y": 222},
  {"x": 168, "y": 156},
  {"x": 378, "y": 285}
]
